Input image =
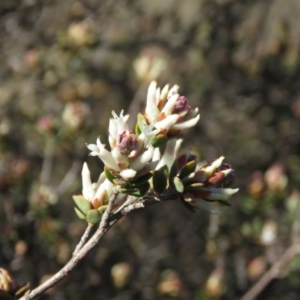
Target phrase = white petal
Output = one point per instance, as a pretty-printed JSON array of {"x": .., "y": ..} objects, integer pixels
[
  {"x": 93, "y": 147},
  {"x": 142, "y": 160},
  {"x": 173, "y": 90},
  {"x": 208, "y": 207},
  {"x": 94, "y": 153},
  {"x": 108, "y": 187},
  {"x": 157, "y": 96},
  {"x": 216, "y": 164},
  {"x": 166, "y": 123},
  {"x": 128, "y": 174},
  {"x": 169, "y": 106},
  {"x": 101, "y": 179},
  {"x": 177, "y": 146},
  {"x": 147, "y": 132},
  {"x": 100, "y": 193},
  {"x": 113, "y": 132},
  {"x": 107, "y": 157},
  {"x": 221, "y": 194},
  {"x": 120, "y": 158},
  {"x": 169, "y": 155},
  {"x": 156, "y": 155},
  {"x": 149, "y": 167},
  {"x": 87, "y": 188},
  {"x": 164, "y": 93},
  {"x": 121, "y": 122},
  {"x": 151, "y": 107},
  {"x": 186, "y": 124}
]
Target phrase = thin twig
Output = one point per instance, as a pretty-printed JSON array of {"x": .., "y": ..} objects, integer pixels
[
  {"x": 83, "y": 239},
  {"x": 104, "y": 226},
  {"x": 108, "y": 220},
  {"x": 272, "y": 273}
]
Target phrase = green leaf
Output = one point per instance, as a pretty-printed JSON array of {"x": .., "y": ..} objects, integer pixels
[
  {"x": 178, "y": 184},
  {"x": 79, "y": 214},
  {"x": 83, "y": 204},
  {"x": 142, "y": 179},
  {"x": 102, "y": 209},
  {"x": 141, "y": 122},
  {"x": 137, "y": 130},
  {"x": 109, "y": 175},
  {"x": 139, "y": 191},
  {"x": 193, "y": 186},
  {"x": 188, "y": 169},
  {"x": 173, "y": 172},
  {"x": 128, "y": 191},
  {"x": 159, "y": 181},
  {"x": 120, "y": 181},
  {"x": 93, "y": 216},
  {"x": 158, "y": 140}
]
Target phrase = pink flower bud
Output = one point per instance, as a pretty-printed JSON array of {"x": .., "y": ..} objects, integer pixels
[
  {"x": 181, "y": 105},
  {"x": 127, "y": 142}
]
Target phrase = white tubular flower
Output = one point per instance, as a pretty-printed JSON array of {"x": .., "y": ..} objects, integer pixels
[
  {"x": 168, "y": 111},
  {"x": 221, "y": 194},
  {"x": 215, "y": 165},
  {"x": 148, "y": 131},
  {"x": 130, "y": 154},
  {"x": 97, "y": 195},
  {"x": 142, "y": 159},
  {"x": 103, "y": 154},
  {"x": 169, "y": 154},
  {"x": 117, "y": 124},
  {"x": 87, "y": 187}
]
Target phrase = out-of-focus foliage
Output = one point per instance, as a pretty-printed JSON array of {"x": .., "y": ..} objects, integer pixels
[{"x": 64, "y": 65}]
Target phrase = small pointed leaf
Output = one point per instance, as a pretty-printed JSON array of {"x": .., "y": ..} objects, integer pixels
[
  {"x": 79, "y": 214},
  {"x": 83, "y": 204},
  {"x": 178, "y": 184},
  {"x": 141, "y": 122},
  {"x": 188, "y": 169},
  {"x": 143, "y": 179},
  {"x": 109, "y": 175},
  {"x": 193, "y": 187},
  {"x": 93, "y": 216},
  {"x": 128, "y": 191},
  {"x": 137, "y": 129},
  {"x": 102, "y": 209},
  {"x": 173, "y": 172},
  {"x": 158, "y": 140},
  {"x": 159, "y": 181},
  {"x": 119, "y": 181},
  {"x": 139, "y": 191}
]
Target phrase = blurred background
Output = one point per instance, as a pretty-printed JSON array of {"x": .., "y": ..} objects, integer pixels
[{"x": 65, "y": 65}]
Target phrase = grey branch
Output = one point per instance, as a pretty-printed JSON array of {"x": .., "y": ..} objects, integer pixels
[
  {"x": 83, "y": 239},
  {"x": 273, "y": 272},
  {"x": 108, "y": 220}
]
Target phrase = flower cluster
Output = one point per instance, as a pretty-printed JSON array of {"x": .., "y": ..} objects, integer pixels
[
  {"x": 144, "y": 159},
  {"x": 169, "y": 112},
  {"x": 201, "y": 183},
  {"x": 91, "y": 204},
  {"x": 130, "y": 156}
]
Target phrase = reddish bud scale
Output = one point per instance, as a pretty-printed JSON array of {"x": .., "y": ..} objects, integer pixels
[
  {"x": 182, "y": 160},
  {"x": 216, "y": 178}
]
